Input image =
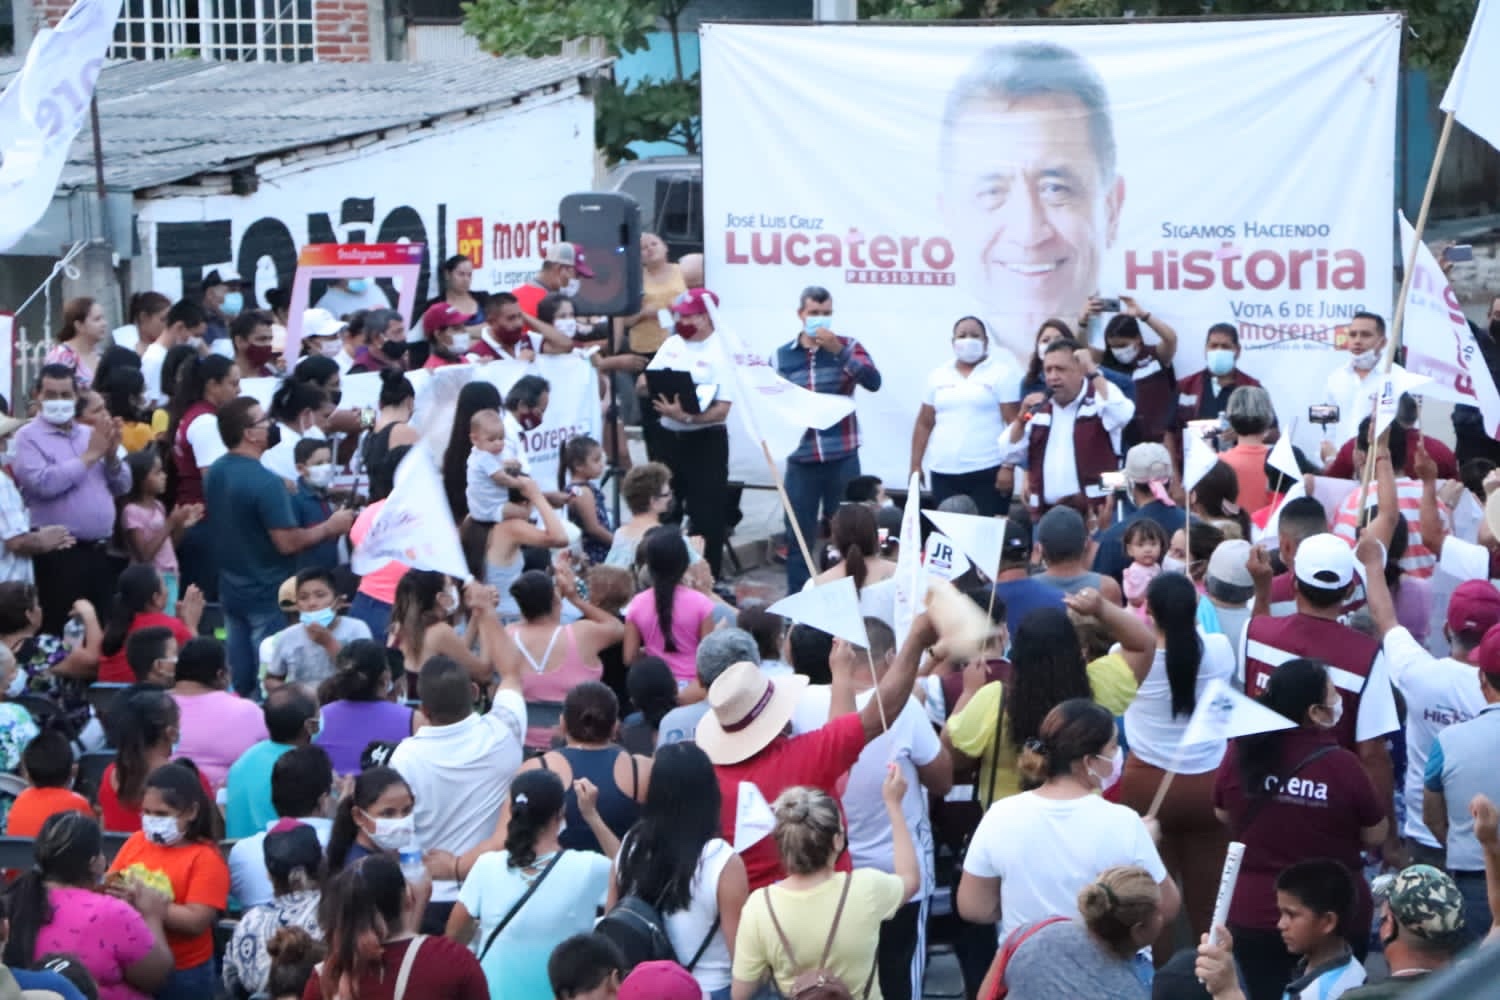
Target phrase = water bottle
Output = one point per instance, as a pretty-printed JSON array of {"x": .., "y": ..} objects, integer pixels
[{"x": 412, "y": 868}]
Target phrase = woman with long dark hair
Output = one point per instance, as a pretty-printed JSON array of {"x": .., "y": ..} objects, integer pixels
[
  {"x": 676, "y": 856},
  {"x": 1293, "y": 795},
  {"x": 375, "y": 817},
  {"x": 124, "y": 390},
  {"x": 141, "y": 602},
  {"x": 495, "y": 549},
  {"x": 393, "y": 429},
  {"x": 428, "y": 604},
  {"x": 569, "y": 887},
  {"x": 369, "y": 914},
  {"x": 203, "y": 385},
  {"x": 146, "y": 319},
  {"x": 362, "y": 708},
  {"x": 1214, "y": 499},
  {"x": 298, "y": 411},
  {"x": 855, "y": 536},
  {"x": 472, "y": 398},
  {"x": 144, "y": 730},
  {"x": 55, "y": 906},
  {"x": 58, "y": 670},
  {"x": 670, "y": 618}
]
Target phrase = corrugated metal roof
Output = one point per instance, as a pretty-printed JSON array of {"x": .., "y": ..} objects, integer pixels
[{"x": 167, "y": 121}]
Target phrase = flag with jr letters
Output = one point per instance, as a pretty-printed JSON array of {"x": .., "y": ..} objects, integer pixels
[
  {"x": 415, "y": 526},
  {"x": 44, "y": 107},
  {"x": 1473, "y": 93}
]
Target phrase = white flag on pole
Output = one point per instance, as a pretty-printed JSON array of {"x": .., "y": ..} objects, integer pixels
[
  {"x": 911, "y": 580},
  {"x": 1199, "y": 459},
  {"x": 415, "y": 526},
  {"x": 1391, "y": 387},
  {"x": 774, "y": 410},
  {"x": 831, "y": 607},
  {"x": 44, "y": 107},
  {"x": 1437, "y": 338},
  {"x": 753, "y": 818},
  {"x": 1475, "y": 86},
  {"x": 1223, "y": 713},
  {"x": 979, "y": 538},
  {"x": 1282, "y": 458}
]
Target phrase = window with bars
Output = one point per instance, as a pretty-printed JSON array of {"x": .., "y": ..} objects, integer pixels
[{"x": 236, "y": 30}]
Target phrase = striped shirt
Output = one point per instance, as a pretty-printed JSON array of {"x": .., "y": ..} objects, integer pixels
[
  {"x": 835, "y": 374},
  {"x": 1419, "y": 561}
]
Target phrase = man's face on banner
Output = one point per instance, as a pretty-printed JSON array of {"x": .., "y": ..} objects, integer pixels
[{"x": 1029, "y": 210}]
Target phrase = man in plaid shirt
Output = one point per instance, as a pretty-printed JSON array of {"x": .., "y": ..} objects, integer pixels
[{"x": 825, "y": 461}]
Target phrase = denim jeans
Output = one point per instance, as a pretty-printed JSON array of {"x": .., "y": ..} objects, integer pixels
[
  {"x": 1476, "y": 902},
  {"x": 245, "y": 628},
  {"x": 809, "y": 484},
  {"x": 375, "y": 614},
  {"x": 196, "y": 983}
]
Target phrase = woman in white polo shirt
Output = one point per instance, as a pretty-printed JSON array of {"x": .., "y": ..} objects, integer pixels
[
  {"x": 967, "y": 405},
  {"x": 695, "y": 446}
]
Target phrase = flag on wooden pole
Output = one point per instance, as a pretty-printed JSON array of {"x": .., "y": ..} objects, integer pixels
[{"x": 1473, "y": 94}]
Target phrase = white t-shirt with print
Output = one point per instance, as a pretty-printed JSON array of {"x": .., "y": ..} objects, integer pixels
[
  {"x": 966, "y": 434},
  {"x": 704, "y": 360}
]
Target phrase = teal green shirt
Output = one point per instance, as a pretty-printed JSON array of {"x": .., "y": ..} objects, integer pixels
[{"x": 247, "y": 804}]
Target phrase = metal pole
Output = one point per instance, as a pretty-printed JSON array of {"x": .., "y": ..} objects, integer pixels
[{"x": 104, "y": 225}]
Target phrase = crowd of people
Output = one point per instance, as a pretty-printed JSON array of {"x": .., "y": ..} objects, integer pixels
[{"x": 584, "y": 770}]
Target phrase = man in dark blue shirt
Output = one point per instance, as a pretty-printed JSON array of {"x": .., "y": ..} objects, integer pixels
[{"x": 1021, "y": 592}]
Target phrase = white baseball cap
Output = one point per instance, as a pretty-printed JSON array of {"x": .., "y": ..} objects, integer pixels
[
  {"x": 1325, "y": 561},
  {"x": 321, "y": 323}
]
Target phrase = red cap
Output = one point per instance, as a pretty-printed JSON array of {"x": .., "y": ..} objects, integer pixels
[
  {"x": 1474, "y": 607},
  {"x": 691, "y": 302},
  {"x": 441, "y": 316},
  {"x": 1487, "y": 656},
  {"x": 660, "y": 981}
]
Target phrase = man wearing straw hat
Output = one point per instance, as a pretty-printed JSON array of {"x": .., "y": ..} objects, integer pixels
[{"x": 745, "y": 735}]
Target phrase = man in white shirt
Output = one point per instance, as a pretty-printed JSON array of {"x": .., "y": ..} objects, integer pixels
[
  {"x": 459, "y": 767},
  {"x": 301, "y": 789},
  {"x": 185, "y": 325},
  {"x": 1350, "y": 385},
  {"x": 911, "y": 744},
  {"x": 346, "y": 296}
]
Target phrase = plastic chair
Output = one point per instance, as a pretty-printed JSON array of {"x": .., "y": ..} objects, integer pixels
[
  {"x": 112, "y": 842},
  {"x": 91, "y": 768},
  {"x": 17, "y": 853},
  {"x": 104, "y": 694}
]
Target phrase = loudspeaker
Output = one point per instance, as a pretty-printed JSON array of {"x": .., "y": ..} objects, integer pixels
[{"x": 606, "y": 226}]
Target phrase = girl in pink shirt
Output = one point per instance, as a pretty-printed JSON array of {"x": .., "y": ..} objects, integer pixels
[{"x": 668, "y": 619}]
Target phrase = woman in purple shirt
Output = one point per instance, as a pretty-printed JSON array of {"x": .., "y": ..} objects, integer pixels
[{"x": 358, "y": 708}]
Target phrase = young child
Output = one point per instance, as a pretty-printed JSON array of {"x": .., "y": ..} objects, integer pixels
[
  {"x": 1316, "y": 900},
  {"x": 310, "y": 504},
  {"x": 148, "y": 531},
  {"x": 1145, "y": 543},
  {"x": 305, "y": 651},
  {"x": 583, "y": 464},
  {"x": 586, "y": 967},
  {"x": 47, "y": 763},
  {"x": 490, "y": 473}
]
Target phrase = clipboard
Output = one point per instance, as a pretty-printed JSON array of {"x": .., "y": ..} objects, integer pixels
[{"x": 671, "y": 382}]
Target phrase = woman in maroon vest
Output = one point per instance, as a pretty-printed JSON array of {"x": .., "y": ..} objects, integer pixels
[
  {"x": 1149, "y": 367},
  {"x": 204, "y": 384}
]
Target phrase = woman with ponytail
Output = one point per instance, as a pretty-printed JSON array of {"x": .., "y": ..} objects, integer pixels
[
  {"x": 141, "y": 601},
  {"x": 565, "y": 888},
  {"x": 147, "y": 315},
  {"x": 375, "y": 818},
  {"x": 202, "y": 385},
  {"x": 1173, "y": 675},
  {"x": 369, "y": 914},
  {"x": 668, "y": 619},
  {"x": 855, "y": 536}
]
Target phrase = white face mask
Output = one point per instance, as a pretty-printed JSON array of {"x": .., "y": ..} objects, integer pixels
[
  {"x": 58, "y": 411},
  {"x": 1337, "y": 710},
  {"x": 1125, "y": 355},
  {"x": 568, "y": 326},
  {"x": 571, "y": 288},
  {"x": 394, "y": 834},
  {"x": 1116, "y": 765},
  {"x": 330, "y": 347},
  {"x": 452, "y": 594},
  {"x": 968, "y": 350},
  {"x": 460, "y": 343},
  {"x": 161, "y": 830},
  {"x": 1171, "y": 564},
  {"x": 1366, "y": 361},
  {"x": 320, "y": 475}
]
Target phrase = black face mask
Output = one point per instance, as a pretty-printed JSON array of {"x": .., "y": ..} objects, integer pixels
[
  {"x": 335, "y": 396},
  {"x": 393, "y": 349},
  {"x": 1495, "y": 328}
]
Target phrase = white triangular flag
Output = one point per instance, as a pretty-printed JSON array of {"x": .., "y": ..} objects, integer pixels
[
  {"x": 1223, "y": 713},
  {"x": 979, "y": 538},
  {"x": 1392, "y": 386},
  {"x": 415, "y": 526},
  {"x": 1472, "y": 90},
  {"x": 1282, "y": 458},
  {"x": 753, "y": 818},
  {"x": 911, "y": 582},
  {"x": 831, "y": 607},
  {"x": 1200, "y": 458},
  {"x": 1269, "y": 536},
  {"x": 1464, "y": 560}
]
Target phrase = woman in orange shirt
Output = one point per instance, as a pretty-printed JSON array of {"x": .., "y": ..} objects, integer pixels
[
  {"x": 1251, "y": 417},
  {"x": 177, "y": 851}
]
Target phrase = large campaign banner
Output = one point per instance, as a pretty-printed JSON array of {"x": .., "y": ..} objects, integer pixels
[{"x": 1214, "y": 171}]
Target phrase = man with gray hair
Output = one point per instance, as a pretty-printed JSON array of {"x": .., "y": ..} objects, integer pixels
[{"x": 717, "y": 652}]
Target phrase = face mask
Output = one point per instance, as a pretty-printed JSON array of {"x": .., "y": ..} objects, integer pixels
[
  {"x": 315, "y": 432},
  {"x": 1366, "y": 361},
  {"x": 460, "y": 343},
  {"x": 1116, "y": 765},
  {"x": 161, "y": 830},
  {"x": 1125, "y": 355},
  {"x": 812, "y": 324},
  {"x": 259, "y": 355},
  {"x": 687, "y": 331},
  {"x": 17, "y": 684},
  {"x": 330, "y": 347},
  {"x": 358, "y": 285},
  {"x": 452, "y": 594},
  {"x": 323, "y": 617},
  {"x": 571, "y": 288},
  {"x": 968, "y": 350},
  {"x": 1337, "y": 710},
  {"x": 567, "y": 326},
  {"x": 395, "y": 835},
  {"x": 320, "y": 475},
  {"x": 393, "y": 349},
  {"x": 1220, "y": 361},
  {"x": 195, "y": 343},
  {"x": 530, "y": 420},
  {"x": 1174, "y": 565},
  {"x": 233, "y": 303},
  {"x": 1495, "y": 328},
  {"x": 58, "y": 411}
]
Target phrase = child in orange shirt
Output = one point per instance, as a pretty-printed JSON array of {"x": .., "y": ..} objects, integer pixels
[
  {"x": 177, "y": 850},
  {"x": 47, "y": 763}
]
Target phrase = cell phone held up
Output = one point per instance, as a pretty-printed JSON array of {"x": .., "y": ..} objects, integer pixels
[
  {"x": 1323, "y": 414},
  {"x": 1109, "y": 305},
  {"x": 1459, "y": 253}
]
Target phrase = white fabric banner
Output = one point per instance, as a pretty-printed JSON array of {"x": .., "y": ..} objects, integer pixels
[
  {"x": 1475, "y": 84},
  {"x": 44, "y": 107},
  {"x": 1010, "y": 171},
  {"x": 415, "y": 526},
  {"x": 1437, "y": 338}
]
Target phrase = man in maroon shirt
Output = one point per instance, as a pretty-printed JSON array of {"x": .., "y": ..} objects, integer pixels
[
  {"x": 745, "y": 735},
  {"x": 1342, "y": 466}
]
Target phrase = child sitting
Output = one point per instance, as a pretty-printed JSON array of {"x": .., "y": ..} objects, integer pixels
[
  {"x": 47, "y": 763},
  {"x": 490, "y": 475},
  {"x": 310, "y": 504},
  {"x": 1316, "y": 901},
  {"x": 1145, "y": 543},
  {"x": 583, "y": 462},
  {"x": 305, "y": 651}
]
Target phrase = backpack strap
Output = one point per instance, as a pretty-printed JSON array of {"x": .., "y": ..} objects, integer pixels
[
  {"x": 407, "y": 961},
  {"x": 1013, "y": 942},
  {"x": 707, "y": 940},
  {"x": 838, "y": 914},
  {"x": 530, "y": 891},
  {"x": 1261, "y": 801}
]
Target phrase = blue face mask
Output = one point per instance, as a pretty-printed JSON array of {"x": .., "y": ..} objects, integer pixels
[
  {"x": 233, "y": 303},
  {"x": 359, "y": 285},
  {"x": 324, "y": 617},
  {"x": 1220, "y": 361},
  {"x": 812, "y": 324}
]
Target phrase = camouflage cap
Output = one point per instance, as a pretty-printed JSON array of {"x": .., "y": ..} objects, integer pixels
[{"x": 1423, "y": 900}]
